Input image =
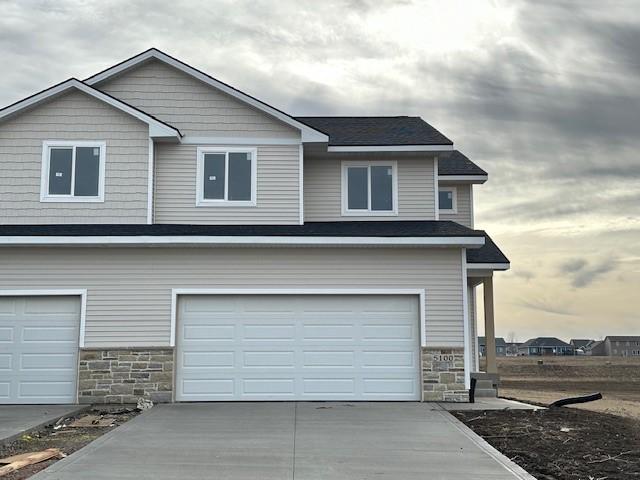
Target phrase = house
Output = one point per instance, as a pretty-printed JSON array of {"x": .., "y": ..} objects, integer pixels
[
  {"x": 621, "y": 346},
  {"x": 579, "y": 344},
  {"x": 501, "y": 346},
  {"x": 545, "y": 346},
  {"x": 165, "y": 235}
]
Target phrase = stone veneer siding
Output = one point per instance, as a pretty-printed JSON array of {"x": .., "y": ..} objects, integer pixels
[
  {"x": 443, "y": 375},
  {"x": 125, "y": 375}
]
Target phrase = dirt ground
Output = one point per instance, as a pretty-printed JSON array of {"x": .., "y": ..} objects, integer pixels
[
  {"x": 562, "y": 443},
  {"x": 67, "y": 439},
  {"x": 617, "y": 378}
]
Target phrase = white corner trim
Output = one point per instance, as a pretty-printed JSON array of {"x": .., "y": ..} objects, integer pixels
[
  {"x": 175, "y": 292},
  {"x": 204, "y": 202},
  {"x": 390, "y": 148},
  {"x": 463, "y": 178},
  {"x": 46, "y": 164},
  {"x": 82, "y": 293},
  {"x": 150, "y": 183},
  {"x": 488, "y": 266},
  {"x": 345, "y": 165},
  {"x": 454, "y": 196},
  {"x": 308, "y": 134},
  {"x": 436, "y": 188},
  {"x": 208, "y": 240},
  {"x": 156, "y": 128},
  {"x": 467, "y": 328},
  {"x": 301, "y": 184},
  {"x": 471, "y": 208}
]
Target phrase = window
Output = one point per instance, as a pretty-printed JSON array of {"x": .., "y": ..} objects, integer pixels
[
  {"x": 369, "y": 188},
  {"x": 447, "y": 200},
  {"x": 226, "y": 176},
  {"x": 73, "y": 171}
]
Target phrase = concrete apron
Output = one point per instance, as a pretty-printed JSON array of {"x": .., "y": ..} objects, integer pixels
[
  {"x": 304, "y": 440},
  {"x": 16, "y": 420}
]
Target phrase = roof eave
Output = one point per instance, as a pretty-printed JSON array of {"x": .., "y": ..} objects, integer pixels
[
  {"x": 471, "y": 179},
  {"x": 389, "y": 148}
]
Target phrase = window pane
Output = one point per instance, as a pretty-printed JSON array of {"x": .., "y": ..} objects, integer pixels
[
  {"x": 239, "y": 176},
  {"x": 381, "y": 188},
  {"x": 357, "y": 188},
  {"x": 60, "y": 171},
  {"x": 214, "y": 176},
  {"x": 87, "y": 172},
  {"x": 445, "y": 199}
]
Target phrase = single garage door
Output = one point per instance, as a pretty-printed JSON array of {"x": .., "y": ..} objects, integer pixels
[
  {"x": 38, "y": 349},
  {"x": 298, "y": 347}
]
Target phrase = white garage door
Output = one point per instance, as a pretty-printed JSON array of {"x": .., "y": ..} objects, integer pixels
[
  {"x": 38, "y": 349},
  {"x": 298, "y": 347}
]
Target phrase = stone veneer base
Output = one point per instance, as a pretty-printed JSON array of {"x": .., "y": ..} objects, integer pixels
[
  {"x": 125, "y": 375},
  {"x": 443, "y": 375}
]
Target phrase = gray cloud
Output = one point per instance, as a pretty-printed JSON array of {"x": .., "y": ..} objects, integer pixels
[{"x": 583, "y": 273}]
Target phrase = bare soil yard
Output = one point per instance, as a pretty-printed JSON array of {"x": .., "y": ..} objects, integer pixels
[
  {"x": 617, "y": 378},
  {"x": 64, "y": 436},
  {"x": 562, "y": 443}
]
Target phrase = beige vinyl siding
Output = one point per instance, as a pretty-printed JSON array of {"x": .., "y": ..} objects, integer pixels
[
  {"x": 323, "y": 190},
  {"x": 277, "y": 195},
  {"x": 129, "y": 289},
  {"x": 195, "y": 108},
  {"x": 75, "y": 116},
  {"x": 464, "y": 215}
]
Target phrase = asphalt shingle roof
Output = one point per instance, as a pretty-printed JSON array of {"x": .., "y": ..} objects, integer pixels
[
  {"x": 545, "y": 342},
  {"x": 488, "y": 253},
  {"x": 442, "y": 228},
  {"x": 385, "y": 131},
  {"x": 457, "y": 163},
  {"x": 499, "y": 341}
]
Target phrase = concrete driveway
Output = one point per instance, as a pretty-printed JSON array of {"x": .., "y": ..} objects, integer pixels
[{"x": 285, "y": 441}]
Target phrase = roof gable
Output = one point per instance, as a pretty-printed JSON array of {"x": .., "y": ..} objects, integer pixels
[
  {"x": 157, "y": 128},
  {"x": 308, "y": 133}
]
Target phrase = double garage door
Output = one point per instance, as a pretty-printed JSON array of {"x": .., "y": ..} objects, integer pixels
[
  {"x": 298, "y": 347},
  {"x": 38, "y": 349}
]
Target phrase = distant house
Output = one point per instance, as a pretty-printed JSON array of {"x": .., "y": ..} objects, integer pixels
[
  {"x": 501, "y": 346},
  {"x": 580, "y": 345},
  {"x": 617, "y": 346},
  {"x": 545, "y": 346}
]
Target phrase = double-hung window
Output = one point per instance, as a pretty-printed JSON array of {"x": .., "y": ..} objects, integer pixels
[
  {"x": 73, "y": 171},
  {"x": 448, "y": 200},
  {"x": 226, "y": 176},
  {"x": 369, "y": 188}
]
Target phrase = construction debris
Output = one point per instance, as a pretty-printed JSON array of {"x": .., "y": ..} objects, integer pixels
[
  {"x": 93, "y": 421},
  {"x": 16, "y": 462},
  {"x": 144, "y": 404}
]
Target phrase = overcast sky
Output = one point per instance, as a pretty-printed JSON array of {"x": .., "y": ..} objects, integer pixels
[{"x": 544, "y": 95}]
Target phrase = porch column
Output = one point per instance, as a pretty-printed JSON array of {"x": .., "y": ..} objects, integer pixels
[{"x": 489, "y": 328}]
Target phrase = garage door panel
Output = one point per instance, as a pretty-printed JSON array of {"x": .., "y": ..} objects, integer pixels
[
  {"x": 38, "y": 349},
  {"x": 322, "y": 347}
]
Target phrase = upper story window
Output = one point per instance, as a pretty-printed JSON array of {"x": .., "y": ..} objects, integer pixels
[
  {"x": 369, "y": 188},
  {"x": 73, "y": 171},
  {"x": 226, "y": 176},
  {"x": 447, "y": 200}
]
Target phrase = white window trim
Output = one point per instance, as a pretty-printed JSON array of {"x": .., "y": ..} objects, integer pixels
[
  {"x": 454, "y": 191},
  {"x": 44, "y": 181},
  {"x": 394, "y": 186},
  {"x": 202, "y": 202}
]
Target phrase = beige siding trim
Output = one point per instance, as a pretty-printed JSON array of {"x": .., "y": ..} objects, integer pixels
[
  {"x": 277, "y": 188},
  {"x": 74, "y": 116},
  {"x": 323, "y": 190},
  {"x": 464, "y": 208},
  {"x": 129, "y": 289},
  {"x": 192, "y": 106}
]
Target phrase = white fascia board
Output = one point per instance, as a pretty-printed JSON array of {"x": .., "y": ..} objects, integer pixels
[
  {"x": 488, "y": 266},
  {"x": 308, "y": 133},
  {"x": 156, "y": 128},
  {"x": 390, "y": 148},
  {"x": 463, "y": 178},
  {"x": 189, "y": 140},
  {"x": 467, "y": 242}
]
